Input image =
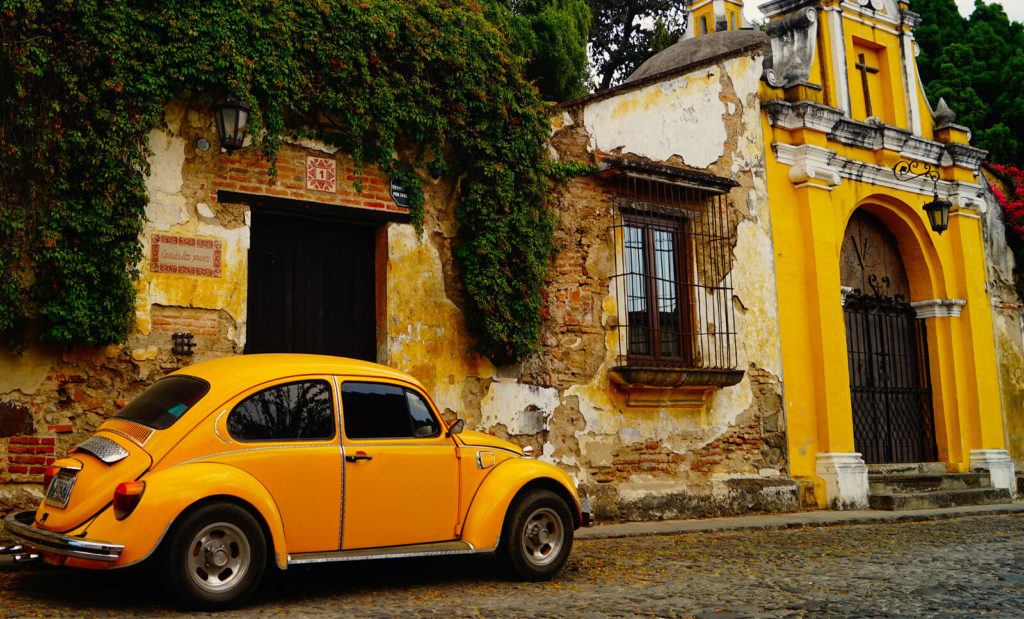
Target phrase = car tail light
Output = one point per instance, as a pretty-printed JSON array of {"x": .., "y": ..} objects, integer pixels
[
  {"x": 126, "y": 497},
  {"x": 51, "y": 472}
]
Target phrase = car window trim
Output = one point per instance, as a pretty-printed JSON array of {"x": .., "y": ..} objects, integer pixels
[
  {"x": 238, "y": 399},
  {"x": 405, "y": 387}
]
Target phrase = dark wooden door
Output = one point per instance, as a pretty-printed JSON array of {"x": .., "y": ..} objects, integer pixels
[
  {"x": 887, "y": 354},
  {"x": 311, "y": 287}
]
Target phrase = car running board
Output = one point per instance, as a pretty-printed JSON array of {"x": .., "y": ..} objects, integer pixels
[{"x": 390, "y": 552}]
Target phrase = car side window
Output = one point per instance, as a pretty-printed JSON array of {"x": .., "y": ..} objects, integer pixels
[
  {"x": 301, "y": 410},
  {"x": 376, "y": 410}
]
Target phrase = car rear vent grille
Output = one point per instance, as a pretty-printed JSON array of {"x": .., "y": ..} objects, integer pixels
[
  {"x": 137, "y": 433},
  {"x": 103, "y": 448}
]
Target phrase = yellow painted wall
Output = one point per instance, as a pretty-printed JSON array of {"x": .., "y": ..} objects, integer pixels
[{"x": 808, "y": 224}]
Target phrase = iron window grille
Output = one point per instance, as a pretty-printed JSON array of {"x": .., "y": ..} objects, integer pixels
[{"x": 673, "y": 277}]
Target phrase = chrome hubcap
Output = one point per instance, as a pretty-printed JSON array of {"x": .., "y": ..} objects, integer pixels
[
  {"x": 543, "y": 536},
  {"x": 219, "y": 557}
]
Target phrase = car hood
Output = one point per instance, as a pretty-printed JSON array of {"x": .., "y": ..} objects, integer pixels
[{"x": 479, "y": 439}]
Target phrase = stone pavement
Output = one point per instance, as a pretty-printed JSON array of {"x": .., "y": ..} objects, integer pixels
[
  {"x": 946, "y": 563},
  {"x": 820, "y": 518}
]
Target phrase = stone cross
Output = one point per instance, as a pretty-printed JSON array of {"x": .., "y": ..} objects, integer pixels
[{"x": 864, "y": 70}]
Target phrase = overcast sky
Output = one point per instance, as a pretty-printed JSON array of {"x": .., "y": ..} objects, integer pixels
[{"x": 1014, "y": 8}]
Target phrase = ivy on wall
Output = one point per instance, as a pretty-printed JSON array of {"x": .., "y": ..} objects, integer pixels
[{"x": 85, "y": 81}]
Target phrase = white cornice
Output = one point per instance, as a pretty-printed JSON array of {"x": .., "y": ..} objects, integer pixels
[
  {"x": 938, "y": 308},
  {"x": 821, "y": 163}
]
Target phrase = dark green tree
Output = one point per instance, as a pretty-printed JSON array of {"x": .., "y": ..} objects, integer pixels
[
  {"x": 975, "y": 65},
  {"x": 552, "y": 36},
  {"x": 625, "y": 33}
]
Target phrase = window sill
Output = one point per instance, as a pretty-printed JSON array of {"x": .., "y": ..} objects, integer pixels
[{"x": 657, "y": 387}]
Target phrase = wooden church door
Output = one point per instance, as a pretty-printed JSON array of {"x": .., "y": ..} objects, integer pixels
[
  {"x": 890, "y": 387},
  {"x": 311, "y": 287}
]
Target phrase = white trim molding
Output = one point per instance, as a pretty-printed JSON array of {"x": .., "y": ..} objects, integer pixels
[
  {"x": 843, "y": 292},
  {"x": 871, "y": 174},
  {"x": 999, "y": 466},
  {"x": 846, "y": 479},
  {"x": 938, "y": 308}
]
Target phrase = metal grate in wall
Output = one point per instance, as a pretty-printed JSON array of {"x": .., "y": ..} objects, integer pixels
[{"x": 673, "y": 283}]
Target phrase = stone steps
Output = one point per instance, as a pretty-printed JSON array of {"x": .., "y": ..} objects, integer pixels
[
  {"x": 927, "y": 485},
  {"x": 937, "y": 499}
]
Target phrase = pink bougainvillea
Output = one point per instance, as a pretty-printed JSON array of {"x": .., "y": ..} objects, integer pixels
[{"x": 1013, "y": 204}]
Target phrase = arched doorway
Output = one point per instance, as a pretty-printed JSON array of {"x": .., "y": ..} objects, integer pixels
[{"x": 890, "y": 387}]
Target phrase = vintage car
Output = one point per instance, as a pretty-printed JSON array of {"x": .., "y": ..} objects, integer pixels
[{"x": 226, "y": 466}]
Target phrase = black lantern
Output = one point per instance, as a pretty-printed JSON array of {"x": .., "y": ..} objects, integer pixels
[
  {"x": 937, "y": 210},
  {"x": 232, "y": 122},
  {"x": 938, "y": 213}
]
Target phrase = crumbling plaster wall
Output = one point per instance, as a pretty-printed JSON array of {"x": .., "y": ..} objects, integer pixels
[
  {"x": 633, "y": 462},
  {"x": 1007, "y": 320}
]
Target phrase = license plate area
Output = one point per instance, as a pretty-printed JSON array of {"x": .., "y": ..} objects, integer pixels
[{"x": 59, "y": 492}]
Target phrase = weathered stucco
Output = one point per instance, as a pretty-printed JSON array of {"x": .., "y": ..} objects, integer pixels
[
  {"x": 663, "y": 120},
  {"x": 1007, "y": 325},
  {"x": 725, "y": 454}
]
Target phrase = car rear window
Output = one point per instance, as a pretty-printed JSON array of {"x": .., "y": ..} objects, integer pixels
[{"x": 165, "y": 402}]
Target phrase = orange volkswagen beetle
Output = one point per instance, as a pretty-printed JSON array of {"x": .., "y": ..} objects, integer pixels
[{"x": 225, "y": 466}]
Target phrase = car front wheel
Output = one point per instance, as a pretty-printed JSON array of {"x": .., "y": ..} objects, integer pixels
[
  {"x": 215, "y": 557},
  {"x": 537, "y": 536}
]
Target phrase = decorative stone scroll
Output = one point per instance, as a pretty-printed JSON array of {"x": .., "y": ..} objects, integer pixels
[{"x": 793, "y": 39}]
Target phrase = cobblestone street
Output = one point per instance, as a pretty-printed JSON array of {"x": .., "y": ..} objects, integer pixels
[{"x": 964, "y": 567}]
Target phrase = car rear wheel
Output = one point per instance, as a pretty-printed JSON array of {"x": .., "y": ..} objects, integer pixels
[
  {"x": 215, "y": 557},
  {"x": 537, "y": 536}
]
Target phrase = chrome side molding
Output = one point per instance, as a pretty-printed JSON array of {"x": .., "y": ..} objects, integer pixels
[{"x": 390, "y": 552}]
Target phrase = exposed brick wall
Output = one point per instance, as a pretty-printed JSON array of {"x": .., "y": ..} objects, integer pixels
[{"x": 194, "y": 320}]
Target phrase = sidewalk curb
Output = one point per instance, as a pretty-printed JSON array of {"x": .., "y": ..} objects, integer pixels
[{"x": 791, "y": 521}]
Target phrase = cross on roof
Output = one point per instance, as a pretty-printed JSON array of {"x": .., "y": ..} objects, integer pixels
[{"x": 864, "y": 70}]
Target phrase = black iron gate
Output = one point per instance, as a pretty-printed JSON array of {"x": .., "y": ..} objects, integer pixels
[{"x": 889, "y": 379}]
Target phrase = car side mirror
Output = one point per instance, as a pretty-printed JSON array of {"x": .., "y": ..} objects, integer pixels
[{"x": 456, "y": 427}]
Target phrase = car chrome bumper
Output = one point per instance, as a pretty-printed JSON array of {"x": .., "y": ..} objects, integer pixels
[{"x": 19, "y": 526}]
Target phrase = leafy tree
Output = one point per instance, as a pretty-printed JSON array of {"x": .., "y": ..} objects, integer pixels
[
  {"x": 970, "y": 63},
  {"x": 552, "y": 35},
  {"x": 625, "y": 33}
]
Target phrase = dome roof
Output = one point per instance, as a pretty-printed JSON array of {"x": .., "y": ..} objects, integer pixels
[{"x": 691, "y": 51}]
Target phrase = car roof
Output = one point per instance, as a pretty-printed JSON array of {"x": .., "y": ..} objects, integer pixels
[{"x": 235, "y": 373}]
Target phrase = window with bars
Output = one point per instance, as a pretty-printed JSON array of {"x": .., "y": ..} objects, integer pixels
[
  {"x": 673, "y": 280},
  {"x": 658, "y": 311}
]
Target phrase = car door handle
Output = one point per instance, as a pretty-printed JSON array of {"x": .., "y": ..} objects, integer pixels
[{"x": 357, "y": 458}]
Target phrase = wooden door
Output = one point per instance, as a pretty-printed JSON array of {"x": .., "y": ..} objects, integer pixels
[{"x": 311, "y": 287}]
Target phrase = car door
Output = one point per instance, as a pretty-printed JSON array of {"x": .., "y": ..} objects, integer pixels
[
  {"x": 401, "y": 471},
  {"x": 285, "y": 436}
]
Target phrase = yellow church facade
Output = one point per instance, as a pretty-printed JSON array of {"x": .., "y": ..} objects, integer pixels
[{"x": 885, "y": 320}]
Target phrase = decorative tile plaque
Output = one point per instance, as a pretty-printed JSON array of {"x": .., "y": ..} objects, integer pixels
[
  {"x": 321, "y": 174},
  {"x": 185, "y": 255}
]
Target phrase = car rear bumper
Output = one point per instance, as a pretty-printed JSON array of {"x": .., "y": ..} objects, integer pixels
[{"x": 19, "y": 526}]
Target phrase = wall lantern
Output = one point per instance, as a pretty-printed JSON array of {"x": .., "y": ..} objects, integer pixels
[
  {"x": 938, "y": 213},
  {"x": 938, "y": 209},
  {"x": 232, "y": 122}
]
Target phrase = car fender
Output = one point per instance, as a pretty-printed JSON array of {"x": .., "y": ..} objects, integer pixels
[
  {"x": 171, "y": 491},
  {"x": 486, "y": 514}
]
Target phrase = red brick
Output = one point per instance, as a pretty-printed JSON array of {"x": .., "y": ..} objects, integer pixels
[
  {"x": 47, "y": 441},
  {"x": 17, "y": 469},
  {"x": 37, "y": 470},
  {"x": 18, "y": 449},
  {"x": 63, "y": 428}
]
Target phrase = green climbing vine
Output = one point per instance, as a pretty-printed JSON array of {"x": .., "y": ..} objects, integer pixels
[{"x": 85, "y": 81}]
